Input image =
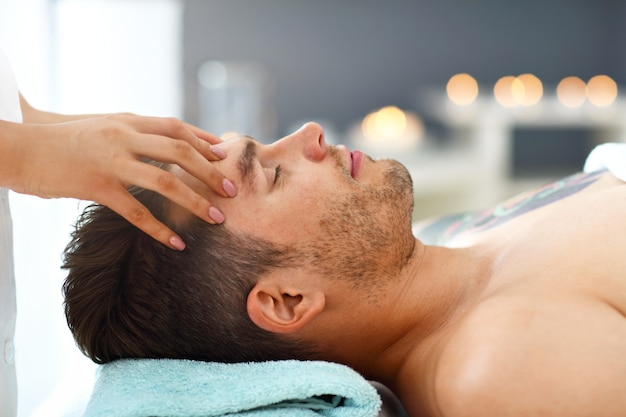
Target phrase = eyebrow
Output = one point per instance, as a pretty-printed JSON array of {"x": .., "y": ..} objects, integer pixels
[{"x": 246, "y": 162}]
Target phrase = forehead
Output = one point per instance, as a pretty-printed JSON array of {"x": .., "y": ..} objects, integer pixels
[
  {"x": 230, "y": 166},
  {"x": 238, "y": 149},
  {"x": 227, "y": 166},
  {"x": 246, "y": 212}
]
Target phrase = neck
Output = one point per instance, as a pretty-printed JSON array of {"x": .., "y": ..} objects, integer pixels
[{"x": 435, "y": 287}]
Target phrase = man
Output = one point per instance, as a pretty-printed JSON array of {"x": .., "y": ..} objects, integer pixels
[{"x": 520, "y": 315}]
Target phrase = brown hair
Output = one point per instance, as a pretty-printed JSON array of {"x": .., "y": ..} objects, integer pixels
[{"x": 128, "y": 296}]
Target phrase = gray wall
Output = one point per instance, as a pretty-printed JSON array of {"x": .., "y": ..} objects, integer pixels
[{"x": 339, "y": 59}]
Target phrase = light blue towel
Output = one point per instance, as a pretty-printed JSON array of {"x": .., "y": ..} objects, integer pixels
[{"x": 183, "y": 388}]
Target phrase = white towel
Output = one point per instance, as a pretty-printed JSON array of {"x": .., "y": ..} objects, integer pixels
[{"x": 611, "y": 156}]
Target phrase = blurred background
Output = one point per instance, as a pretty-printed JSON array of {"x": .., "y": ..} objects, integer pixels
[{"x": 479, "y": 98}]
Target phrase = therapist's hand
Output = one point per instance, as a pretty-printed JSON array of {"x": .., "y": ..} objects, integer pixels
[{"x": 98, "y": 158}]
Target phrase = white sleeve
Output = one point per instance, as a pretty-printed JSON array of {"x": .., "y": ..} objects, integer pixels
[{"x": 9, "y": 94}]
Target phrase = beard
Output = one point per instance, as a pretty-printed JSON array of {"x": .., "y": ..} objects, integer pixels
[{"x": 366, "y": 236}]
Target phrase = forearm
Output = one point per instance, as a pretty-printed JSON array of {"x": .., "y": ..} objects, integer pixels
[
  {"x": 10, "y": 153},
  {"x": 33, "y": 115}
]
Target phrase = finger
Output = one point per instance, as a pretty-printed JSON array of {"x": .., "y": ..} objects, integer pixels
[
  {"x": 123, "y": 203},
  {"x": 204, "y": 135},
  {"x": 176, "y": 129},
  {"x": 173, "y": 188},
  {"x": 182, "y": 154}
]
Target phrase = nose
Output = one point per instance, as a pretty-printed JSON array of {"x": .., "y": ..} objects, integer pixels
[
  {"x": 312, "y": 136},
  {"x": 308, "y": 141}
]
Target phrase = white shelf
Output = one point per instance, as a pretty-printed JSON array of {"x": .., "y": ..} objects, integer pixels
[{"x": 476, "y": 173}]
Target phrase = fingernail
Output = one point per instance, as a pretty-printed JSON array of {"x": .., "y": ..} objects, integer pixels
[
  {"x": 216, "y": 215},
  {"x": 177, "y": 243},
  {"x": 219, "y": 152},
  {"x": 229, "y": 187}
]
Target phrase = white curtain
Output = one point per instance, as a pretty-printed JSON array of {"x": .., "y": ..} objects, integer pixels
[{"x": 76, "y": 56}]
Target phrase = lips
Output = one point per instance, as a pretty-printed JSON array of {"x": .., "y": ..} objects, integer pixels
[
  {"x": 353, "y": 159},
  {"x": 356, "y": 158}
]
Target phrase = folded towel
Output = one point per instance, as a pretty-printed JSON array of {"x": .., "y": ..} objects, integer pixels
[
  {"x": 184, "y": 388},
  {"x": 611, "y": 156}
]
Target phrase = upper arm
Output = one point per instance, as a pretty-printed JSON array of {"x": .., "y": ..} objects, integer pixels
[{"x": 526, "y": 363}]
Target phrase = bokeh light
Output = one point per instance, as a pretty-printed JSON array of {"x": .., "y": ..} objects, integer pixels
[
  {"x": 462, "y": 89},
  {"x": 503, "y": 92},
  {"x": 524, "y": 90},
  {"x": 601, "y": 90},
  {"x": 533, "y": 89},
  {"x": 387, "y": 123},
  {"x": 391, "y": 124},
  {"x": 571, "y": 92}
]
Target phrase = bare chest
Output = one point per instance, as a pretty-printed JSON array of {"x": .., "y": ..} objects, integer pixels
[
  {"x": 554, "y": 309},
  {"x": 574, "y": 245}
]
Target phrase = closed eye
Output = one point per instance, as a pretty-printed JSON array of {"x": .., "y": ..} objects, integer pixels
[{"x": 277, "y": 173}]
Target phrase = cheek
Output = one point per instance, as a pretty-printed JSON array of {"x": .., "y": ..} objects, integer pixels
[
  {"x": 314, "y": 209},
  {"x": 290, "y": 220},
  {"x": 246, "y": 216}
]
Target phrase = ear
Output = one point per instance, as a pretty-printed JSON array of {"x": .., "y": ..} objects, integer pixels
[{"x": 277, "y": 309}]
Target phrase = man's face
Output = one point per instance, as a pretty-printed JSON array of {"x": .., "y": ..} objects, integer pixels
[{"x": 347, "y": 216}]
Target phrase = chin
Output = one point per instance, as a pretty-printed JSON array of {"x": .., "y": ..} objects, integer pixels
[
  {"x": 396, "y": 199},
  {"x": 365, "y": 236},
  {"x": 400, "y": 181},
  {"x": 397, "y": 182}
]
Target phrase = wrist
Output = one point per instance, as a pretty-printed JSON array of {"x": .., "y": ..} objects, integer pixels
[{"x": 10, "y": 153}]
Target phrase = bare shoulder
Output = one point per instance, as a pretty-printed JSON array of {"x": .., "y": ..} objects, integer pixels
[{"x": 514, "y": 356}]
